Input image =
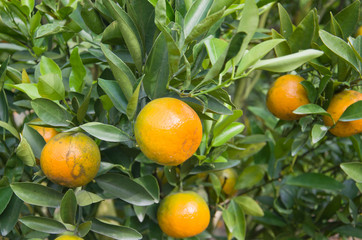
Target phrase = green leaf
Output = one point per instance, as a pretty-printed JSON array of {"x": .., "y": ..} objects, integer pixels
[
  {"x": 157, "y": 69},
  {"x": 50, "y": 29},
  {"x": 249, "y": 205},
  {"x": 43, "y": 224},
  {"x": 85, "y": 198},
  {"x": 349, "y": 230},
  {"x": 5, "y": 197},
  {"x": 348, "y": 18},
  {"x": 76, "y": 78},
  {"x": 3, "y": 72},
  {"x": 68, "y": 207},
  {"x": 114, "y": 231},
  {"x": 105, "y": 132},
  {"x": 226, "y": 120},
  {"x": 10, "y": 215},
  {"x": 121, "y": 72},
  {"x": 216, "y": 184},
  {"x": 129, "y": 32},
  {"x": 50, "y": 112},
  {"x": 288, "y": 62},
  {"x": 283, "y": 48},
  {"x": 353, "y": 170},
  {"x": 215, "y": 47},
  {"x": 229, "y": 132},
  {"x": 48, "y": 66},
  {"x": 340, "y": 48},
  {"x": 250, "y": 176},
  {"x": 30, "y": 89},
  {"x": 84, "y": 228},
  {"x": 115, "y": 93},
  {"x": 140, "y": 212},
  {"x": 51, "y": 86},
  {"x": 83, "y": 108},
  {"x": 352, "y": 113},
  {"x": 37, "y": 194},
  {"x": 133, "y": 103},
  {"x": 150, "y": 183},
  {"x": 90, "y": 17},
  {"x": 318, "y": 132},
  {"x": 195, "y": 15},
  {"x": 10, "y": 128},
  {"x": 311, "y": 109},
  {"x": 286, "y": 26},
  {"x": 112, "y": 33},
  {"x": 315, "y": 180},
  {"x": 35, "y": 140},
  {"x": 125, "y": 188},
  {"x": 234, "y": 219},
  {"x": 25, "y": 153},
  {"x": 256, "y": 53},
  {"x": 204, "y": 25}
]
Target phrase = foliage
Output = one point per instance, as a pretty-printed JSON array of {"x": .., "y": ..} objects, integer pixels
[{"x": 90, "y": 66}]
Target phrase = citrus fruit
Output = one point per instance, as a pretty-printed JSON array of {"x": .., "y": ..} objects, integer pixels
[
  {"x": 339, "y": 103},
  {"x": 359, "y": 31},
  {"x": 227, "y": 179},
  {"x": 168, "y": 131},
  {"x": 70, "y": 159},
  {"x": 46, "y": 132},
  {"x": 285, "y": 95},
  {"x": 68, "y": 237},
  {"x": 183, "y": 214}
]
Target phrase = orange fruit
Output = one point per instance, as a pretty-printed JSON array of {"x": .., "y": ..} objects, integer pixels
[
  {"x": 168, "y": 131},
  {"x": 227, "y": 179},
  {"x": 285, "y": 95},
  {"x": 183, "y": 214},
  {"x": 68, "y": 237},
  {"x": 70, "y": 159},
  {"x": 46, "y": 132},
  {"x": 359, "y": 31},
  {"x": 339, "y": 103}
]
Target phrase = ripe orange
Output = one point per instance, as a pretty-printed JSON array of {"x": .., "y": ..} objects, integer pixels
[
  {"x": 359, "y": 31},
  {"x": 68, "y": 237},
  {"x": 285, "y": 95},
  {"x": 168, "y": 131},
  {"x": 183, "y": 214},
  {"x": 46, "y": 132},
  {"x": 70, "y": 159},
  {"x": 227, "y": 179},
  {"x": 337, "y": 106}
]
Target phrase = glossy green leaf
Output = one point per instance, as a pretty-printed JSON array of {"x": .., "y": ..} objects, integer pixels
[
  {"x": 133, "y": 103},
  {"x": 283, "y": 48},
  {"x": 250, "y": 176},
  {"x": 316, "y": 181},
  {"x": 157, "y": 69},
  {"x": 318, "y": 132},
  {"x": 50, "y": 112},
  {"x": 112, "y": 33},
  {"x": 121, "y": 72},
  {"x": 348, "y": 18},
  {"x": 129, "y": 32},
  {"x": 196, "y": 14},
  {"x": 83, "y": 108},
  {"x": 256, "y": 53},
  {"x": 115, "y": 93},
  {"x": 286, "y": 26},
  {"x": 51, "y": 86},
  {"x": 289, "y": 62},
  {"x": 249, "y": 205},
  {"x": 353, "y": 170},
  {"x": 150, "y": 183},
  {"x": 105, "y": 132},
  {"x": 226, "y": 120},
  {"x": 298, "y": 142},
  {"x": 204, "y": 25},
  {"x": 349, "y": 230},
  {"x": 306, "y": 31},
  {"x": 48, "y": 66},
  {"x": 140, "y": 212},
  {"x": 114, "y": 231},
  {"x": 125, "y": 188},
  {"x": 68, "y": 207},
  {"x": 37, "y": 194},
  {"x": 5, "y": 196},
  {"x": 76, "y": 78},
  {"x": 25, "y": 153},
  {"x": 311, "y": 90},
  {"x": 215, "y": 47},
  {"x": 43, "y": 224},
  {"x": 352, "y": 113},
  {"x": 35, "y": 140},
  {"x": 216, "y": 184},
  {"x": 248, "y": 150},
  {"x": 311, "y": 109},
  {"x": 91, "y": 17},
  {"x": 85, "y": 198},
  {"x": 271, "y": 219},
  {"x": 229, "y": 132},
  {"x": 10, "y": 215},
  {"x": 84, "y": 228},
  {"x": 10, "y": 128},
  {"x": 30, "y": 89},
  {"x": 50, "y": 29},
  {"x": 3, "y": 72},
  {"x": 234, "y": 219},
  {"x": 340, "y": 48}
]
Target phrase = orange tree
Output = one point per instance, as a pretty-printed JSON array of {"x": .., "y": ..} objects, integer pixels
[{"x": 92, "y": 66}]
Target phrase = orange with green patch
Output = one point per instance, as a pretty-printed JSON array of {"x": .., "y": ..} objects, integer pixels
[{"x": 70, "y": 159}]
